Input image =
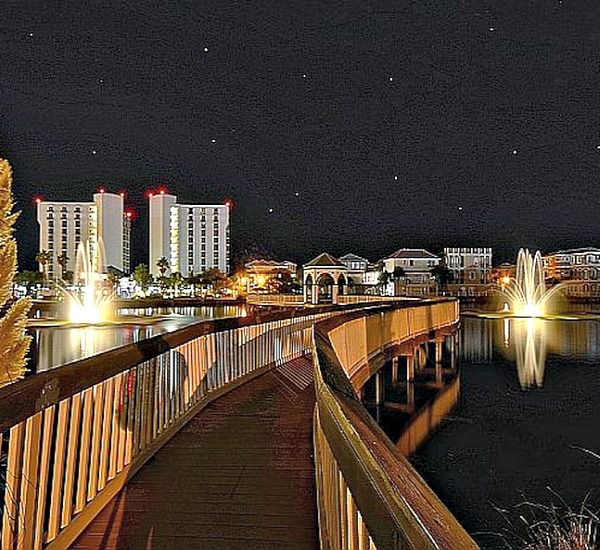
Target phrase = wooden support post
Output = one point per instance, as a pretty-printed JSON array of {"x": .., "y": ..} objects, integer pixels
[
  {"x": 410, "y": 393},
  {"x": 410, "y": 368},
  {"x": 439, "y": 343},
  {"x": 379, "y": 389}
]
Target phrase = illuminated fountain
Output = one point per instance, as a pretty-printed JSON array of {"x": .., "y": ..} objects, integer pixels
[
  {"x": 527, "y": 293},
  {"x": 89, "y": 304}
]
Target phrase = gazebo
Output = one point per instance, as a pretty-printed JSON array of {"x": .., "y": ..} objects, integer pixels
[{"x": 324, "y": 279}]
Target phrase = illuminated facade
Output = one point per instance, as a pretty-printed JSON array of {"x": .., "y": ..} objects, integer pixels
[
  {"x": 469, "y": 265},
  {"x": 357, "y": 267},
  {"x": 579, "y": 268},
  {"x": 260, "y": 272},
  {"x": 417, "y": 264},
  {"x": 102, "y": 222},
  {"x": 193, "y": 238}
]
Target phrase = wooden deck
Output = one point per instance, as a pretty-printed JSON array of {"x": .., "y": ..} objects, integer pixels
[{"x": 239, "y": 475}]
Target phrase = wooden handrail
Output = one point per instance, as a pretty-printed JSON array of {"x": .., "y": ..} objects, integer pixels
[
  {"x": 32, "y": 394},
  {"x": 367, "y": 491},
  {"x": 77, "y": 433}
]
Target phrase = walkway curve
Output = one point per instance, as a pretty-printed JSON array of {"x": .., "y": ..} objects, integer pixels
[{"x": 239, "y": 475}]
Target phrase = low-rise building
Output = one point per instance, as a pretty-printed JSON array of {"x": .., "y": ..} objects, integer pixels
[
  {"x": 416, "y": 265},
  {"x": 260, "y": 274},
  {"x": 578, "y": 268},
  {"x": 469, "y": 265},
  {"x": 503, "y": 273},
  {"x": 357, "y": 267}
]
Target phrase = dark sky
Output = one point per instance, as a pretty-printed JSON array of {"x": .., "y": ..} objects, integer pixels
[{"x": 365, "y": 126}]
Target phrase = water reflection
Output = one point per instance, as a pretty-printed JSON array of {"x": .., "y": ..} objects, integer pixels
[
  {"x": 55, "y": 346},
  {"x": 528, "y": 342},
  {"x": 501, "y": 445}
]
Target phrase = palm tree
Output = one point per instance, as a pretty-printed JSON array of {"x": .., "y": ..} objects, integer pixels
[
  {"x": 63, "y": 260},
  {"x": 384, "y": 279},
  {"x": 163, "y": 265},
  {"x": 141, "y": 275},
  {"x": 397, "y": 274},
  {"x": 43, "y": 258},
  {"x": 442, "y": 276}
]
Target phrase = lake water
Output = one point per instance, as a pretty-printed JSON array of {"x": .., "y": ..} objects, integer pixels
[
  {"x": 529, "y": 404},
  {"x": 55, "y": 346}
]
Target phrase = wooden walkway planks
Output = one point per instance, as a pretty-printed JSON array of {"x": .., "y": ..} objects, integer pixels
[{"x": 239, "y": 475}]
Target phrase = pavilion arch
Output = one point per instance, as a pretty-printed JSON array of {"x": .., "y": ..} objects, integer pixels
[
  {"x": 341, "y": 283},
  {"x": 328, "y": 277}
]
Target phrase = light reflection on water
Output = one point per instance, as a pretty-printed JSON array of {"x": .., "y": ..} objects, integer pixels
[
  {"x": 528, "y": 342},
  {"x": 55, "y": 346},
  {"x": 502, "y": 445}
]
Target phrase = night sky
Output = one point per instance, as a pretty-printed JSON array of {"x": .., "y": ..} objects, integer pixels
[{"x": 338, "y": 126}]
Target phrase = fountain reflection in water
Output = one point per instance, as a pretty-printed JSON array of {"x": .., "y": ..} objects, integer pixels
[
  {"x": 91, "y": 302},
  {"x": 529, "y": 338},
  {"x": 527, "y": 293}
]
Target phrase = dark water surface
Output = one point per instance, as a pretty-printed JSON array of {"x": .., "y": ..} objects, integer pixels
[
  {"x": 55, "y": 346},
  {"x": 530, "y": 400}
]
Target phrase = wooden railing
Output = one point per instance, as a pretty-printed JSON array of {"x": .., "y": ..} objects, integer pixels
[
  {"x": 368, "y": 298},
  {"x": 275, "y": 299},
  {"x": 298, "y": 299},
  {"x": 73, "y": 436},
  {"x": 369, "y": 496}
]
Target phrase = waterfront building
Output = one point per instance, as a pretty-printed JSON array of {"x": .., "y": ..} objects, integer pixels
[
  {"x": 503, "y": 273},
  {"x": 103, "y": 223},
  {"x": 193, "y": 237},
  {"x": 258, "y": 273},
  {"x": 357, "y": 268},
  {"x": 469, "y": 265},
  {"x": 578, "y": 268},
  {"x": 416, "y": 264}
]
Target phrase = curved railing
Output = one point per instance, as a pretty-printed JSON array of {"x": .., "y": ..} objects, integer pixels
[
  {"x": 369, "y": 496},
  {"x": 72, "y": 437}
]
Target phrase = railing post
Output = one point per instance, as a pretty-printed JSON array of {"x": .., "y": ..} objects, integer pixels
[
  {"x": 395, "y": 360},
  {"x": 379, "y": 387}
]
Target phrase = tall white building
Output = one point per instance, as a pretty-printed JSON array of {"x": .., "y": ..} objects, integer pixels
[
  {"x": 193, "y": 237},
  {"x": 103, "y": 223},
  {"x": 469, "y": 265}
]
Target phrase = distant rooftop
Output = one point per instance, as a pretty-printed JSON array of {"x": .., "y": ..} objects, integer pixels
[
  {"x": 583, "y": 250},
  {"x": 324, "y": 260},
  {"x": 353, "y": 258},
  {"x": 413, "y": 254}
]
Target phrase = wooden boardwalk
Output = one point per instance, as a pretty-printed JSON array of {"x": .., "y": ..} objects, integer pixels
[{"x": 239, "y": 475}]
